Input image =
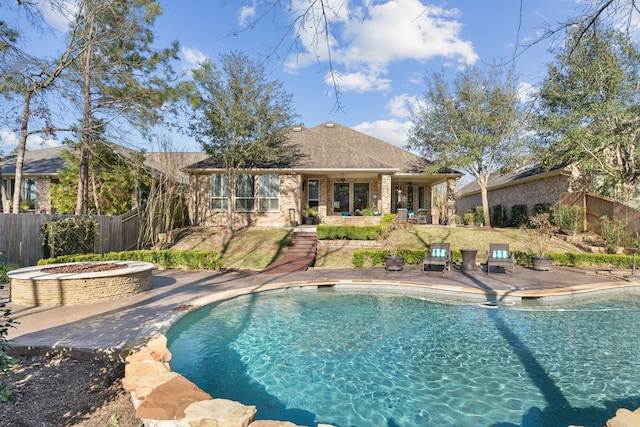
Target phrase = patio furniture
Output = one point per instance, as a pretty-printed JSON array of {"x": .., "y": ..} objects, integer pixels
[
  {"x": 440, "y": 255},
  {"x": 469, "y": 259},
  {"x": 500, "y": 256},
  {"x": 420, "y": 217},
  {"x": 402, "y": 215}
]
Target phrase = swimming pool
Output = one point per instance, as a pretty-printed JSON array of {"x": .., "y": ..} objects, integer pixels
[{"x": 369, "y": 359}]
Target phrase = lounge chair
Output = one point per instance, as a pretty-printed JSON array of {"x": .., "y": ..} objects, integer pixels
[
  {"x": 440, "y": 255},
  {"x": 402, "y": 215},
  {"x": 420, "y": 217},
  {"x": 500, "y": 256}
]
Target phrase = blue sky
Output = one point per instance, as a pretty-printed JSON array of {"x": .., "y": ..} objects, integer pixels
[{"x": 380, "y": 55}]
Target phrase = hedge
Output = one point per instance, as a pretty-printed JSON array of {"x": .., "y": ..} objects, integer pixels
[
  {"x": 201, "y": 260},
  {"x": 375, "y": 257}
]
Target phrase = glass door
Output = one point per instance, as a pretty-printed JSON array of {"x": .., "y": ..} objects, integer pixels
[{"x": 341, "y": 197}]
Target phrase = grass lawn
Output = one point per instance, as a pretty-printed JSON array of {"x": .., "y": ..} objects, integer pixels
[{"x": 254, "y": 248}]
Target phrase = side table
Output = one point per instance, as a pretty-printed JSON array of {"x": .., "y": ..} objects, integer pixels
[{"x": 469, "y": 259}]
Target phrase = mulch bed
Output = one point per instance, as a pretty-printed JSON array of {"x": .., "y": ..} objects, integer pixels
[{"x": 83, "y": 268}]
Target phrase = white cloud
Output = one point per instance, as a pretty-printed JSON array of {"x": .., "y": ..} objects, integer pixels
[
  {"x": 7, "y": 139},
  {"x": 247, "y": 14},
  {"x": 359, "y": 81},
  {"x": 526, "y": 91},
  {"x": 366, "y": 43},
  {"x": 400, "y": 106},
  {"x": 391, "y": 131},
  {"x": 59, "y": 14},
  {"x": 192, "y": 57}
]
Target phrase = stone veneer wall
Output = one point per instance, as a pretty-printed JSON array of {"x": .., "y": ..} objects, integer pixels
[
  {"x": 164, "y": 398},
  {"x": 529, "y": 193},
  {"x": 68, "y": 290}
]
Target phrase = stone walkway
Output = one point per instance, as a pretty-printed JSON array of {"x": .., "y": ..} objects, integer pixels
[{"x": 121, "y": 324}]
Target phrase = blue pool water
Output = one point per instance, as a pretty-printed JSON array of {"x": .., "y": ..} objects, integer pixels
[{"x": 362, "y": 359}]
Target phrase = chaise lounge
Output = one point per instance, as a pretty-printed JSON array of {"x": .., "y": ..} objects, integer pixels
[
  {"x": 500, "y": 256},
  {"x": 440, "y": 255}
]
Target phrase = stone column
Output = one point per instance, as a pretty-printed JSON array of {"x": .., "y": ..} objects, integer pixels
[
  {"x": 451, "y": 202},
  {"x": 385, "y": 194}
]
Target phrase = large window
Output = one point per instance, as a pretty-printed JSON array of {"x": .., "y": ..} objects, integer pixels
[
  {"x": 245, "y": 193},
  {"x": 218, "y": 192},
  {"x": 341, "y": 197},
  {"x": 269, "y": 193},
  {"x": 314, "y": 194}
]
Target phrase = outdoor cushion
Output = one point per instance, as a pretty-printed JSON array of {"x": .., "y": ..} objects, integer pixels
[
  {"x": 500, "y": 254},
  {"x": 438, "y": 253}
]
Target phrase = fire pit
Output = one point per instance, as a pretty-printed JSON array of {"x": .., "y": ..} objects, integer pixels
[{"x": 78, "y": 282}]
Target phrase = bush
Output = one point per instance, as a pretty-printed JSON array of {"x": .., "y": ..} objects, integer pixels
[
  {"x": 469, "y": 218},
  {"x": 612, "y": 231},
  {"x": 353, "y": 232},
  {"x": 4, "y": 269},
  {"x": 478, "y": 215},
  {"x": 69, "y": 236},
  {"x": 568, "y": 218},
  {"x": 519, "y": 216},
  {"x": 6, "y": 322},
  {"x": 199, "y": 260},
  {"x": 539, "y": 208},
  {"x": 499, "y": 216},
  {"x": 375, "y": 257}
]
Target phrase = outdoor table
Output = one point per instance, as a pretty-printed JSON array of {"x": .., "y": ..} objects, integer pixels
[{"x": 469, "y": 259}]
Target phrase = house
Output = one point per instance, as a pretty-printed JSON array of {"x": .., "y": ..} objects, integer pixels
[
  {"x": 334, "y": 169},
  {"x": 529, "y": 186},
  {"x": 41, "y": 170}
]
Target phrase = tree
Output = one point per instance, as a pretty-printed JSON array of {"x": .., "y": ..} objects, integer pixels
[
  {"x": 123, "y": 79},
  {"x": 27, "y": 78},
  {"x": 116, "y": 177},
  {"x": 471, "y": 125},
  {"x": 588, "y": 110},
  {"x": 239, "y": 117}
]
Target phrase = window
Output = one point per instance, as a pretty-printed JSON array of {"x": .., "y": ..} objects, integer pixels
[
  {"x": 218, "y": 192},
  {"x": 245, "y": 193},
  {"x": 314, "y": 194},
  {"x": 360, "y": 196},
  {"x": 341, "y": 197},
  {"x": 269, "y": 193},
  {"x": 30, "y": 190}
]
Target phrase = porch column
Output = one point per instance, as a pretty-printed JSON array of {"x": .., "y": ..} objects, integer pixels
[
  {"x": 451, "y": 202},
  {"x": 385, "y": 194}
]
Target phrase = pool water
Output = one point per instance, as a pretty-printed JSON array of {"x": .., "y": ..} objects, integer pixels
[{"x": 363, "y": 359}]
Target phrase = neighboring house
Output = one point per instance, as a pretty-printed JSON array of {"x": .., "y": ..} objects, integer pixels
[
  {"x": 39, "y": 171},
  {"x": 333, "y": 169},
  {"x": 528, "y": 187},
  {"x": 41, "y": 167}
]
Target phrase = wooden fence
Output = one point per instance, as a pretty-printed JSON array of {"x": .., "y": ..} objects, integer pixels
[
  {"x": 596, "y": 206},
  {"x": 21, "y": 235}
]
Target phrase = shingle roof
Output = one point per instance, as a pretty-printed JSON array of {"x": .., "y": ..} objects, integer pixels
[
  {"x": 331, "y": 146},
  {"x": 46, "y": 161},
  {"x": 512, "y": 178}
]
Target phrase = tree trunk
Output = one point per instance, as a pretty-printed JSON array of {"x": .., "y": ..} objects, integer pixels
[
  {"x": 22, "y": 145},
  {"x": 482, "y": 183},
  {"x": 83, "y": 173},
  {"x": 4, "y": 196},
  {"x": 231, "y": 191},
  {"x": 451, "y": 202}
]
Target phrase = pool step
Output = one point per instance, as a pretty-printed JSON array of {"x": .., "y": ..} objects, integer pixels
[{"x": 299, "y": 256}]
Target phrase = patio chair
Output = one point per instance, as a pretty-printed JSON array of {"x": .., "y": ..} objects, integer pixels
[
  {"x": 420, "y": 217},
  {"x": 440, "y": 255},
  {"x": 500, "y": 256},
  {"x": 402, "y": 215}
]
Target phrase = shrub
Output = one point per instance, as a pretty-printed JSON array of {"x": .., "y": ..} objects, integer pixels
[
  {"x": 519, "y": 216},
  {"x": 568, "y": 218},
  {"x": 612, "y": 231},
  {"x": 199, "y": 260},
  {"x": 469, "y": 218},
  {"x": 478, "y": 215},
  {"x": 499, "y": 216},
  {"x": 69, "y": 236},
  {"x": 539, "y": 208},
  {"x": 6, "y": 361}
]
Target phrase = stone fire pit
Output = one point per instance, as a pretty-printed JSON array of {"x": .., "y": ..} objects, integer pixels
[{"x": 78, "y": 282}]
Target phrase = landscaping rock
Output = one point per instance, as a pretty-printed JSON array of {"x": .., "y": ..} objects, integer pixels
[
  {"x": 625, "y": 418},
  {"x": 219, "y": 413},
  {"x": 169, "y": 400}
]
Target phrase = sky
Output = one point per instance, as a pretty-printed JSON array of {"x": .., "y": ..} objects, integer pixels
[{"x": 381, "y": 51}]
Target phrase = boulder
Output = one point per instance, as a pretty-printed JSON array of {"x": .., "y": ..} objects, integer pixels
[
  {"x": 219, "y": 413},
  {"x": 625, "y": 418},
  {"x": 169, "y": 400}
]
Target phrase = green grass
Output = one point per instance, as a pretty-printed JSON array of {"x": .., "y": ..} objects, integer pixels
[{"x": 254, "y": 248}]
